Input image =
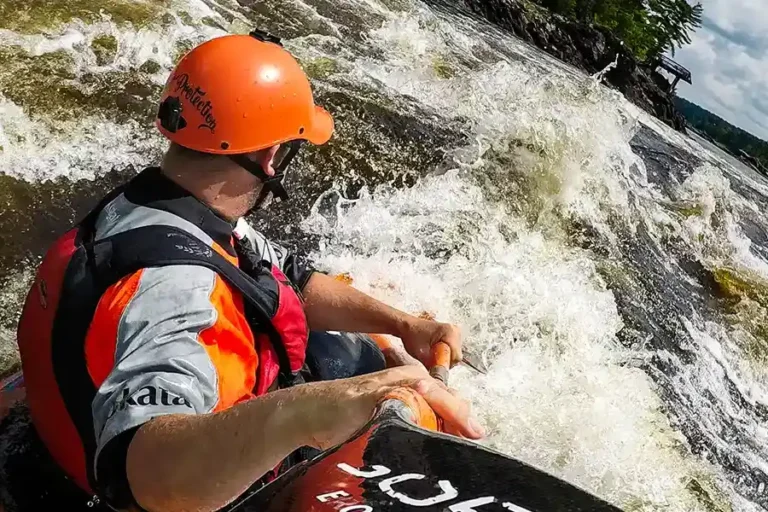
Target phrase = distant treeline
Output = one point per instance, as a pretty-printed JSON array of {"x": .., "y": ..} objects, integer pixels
[
  {"x": 720, "y": 130},
  {"x": 649, "y": 28}
]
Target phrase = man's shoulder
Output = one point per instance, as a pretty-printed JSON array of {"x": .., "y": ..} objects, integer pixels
[
  {"x": 121, "y": 215},
  {"x": 152, "y": 289}
]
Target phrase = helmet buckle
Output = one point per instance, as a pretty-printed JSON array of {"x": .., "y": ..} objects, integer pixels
[{"x": 169, "y": 114}]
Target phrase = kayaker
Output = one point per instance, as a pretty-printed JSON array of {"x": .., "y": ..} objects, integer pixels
[{"x": 173, "y": 356}]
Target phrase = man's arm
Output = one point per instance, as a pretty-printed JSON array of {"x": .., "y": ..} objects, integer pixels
[
  {"x": 159, "y": 443},
  {"x": 331, "y": 305},
  {"x": 202, "y": 463},
  {"x": 159, "y": 320},
  {"x": 335, "y": 306},
  {"x": 371, "y": 320}
]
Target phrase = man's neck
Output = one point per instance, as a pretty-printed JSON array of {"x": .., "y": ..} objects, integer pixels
[{"x": 207, "y": 193}]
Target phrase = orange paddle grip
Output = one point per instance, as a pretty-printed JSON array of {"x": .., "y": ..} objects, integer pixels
[{"x": 441, "y": 354}]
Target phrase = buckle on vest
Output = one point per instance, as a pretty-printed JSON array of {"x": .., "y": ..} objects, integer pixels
[{"x": 290, "y": 380}]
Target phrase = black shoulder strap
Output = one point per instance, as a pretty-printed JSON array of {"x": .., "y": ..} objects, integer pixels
[
  {"x": 155, "y": 246},
  {"x": 88, "y": 225}
]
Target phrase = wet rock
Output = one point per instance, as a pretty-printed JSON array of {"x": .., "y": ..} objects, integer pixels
[
  {"x": 48, "y": 87},
  {"x": 105, "y": 49},
  {"x": 150, "y": 67},
  {"x": 321, "y": 68}
]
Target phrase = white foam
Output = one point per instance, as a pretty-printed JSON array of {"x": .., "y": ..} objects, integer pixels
[
  {"x": 580, "y": 128},
  {"x": 82, "y": 148},
  {"x": 558, "y": 393},
  {"x": 32, "y": 151},
  {"x": 582, "y": 132}
]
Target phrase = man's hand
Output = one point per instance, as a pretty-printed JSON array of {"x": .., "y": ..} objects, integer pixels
[
  {"x": 204, "y": 461},
  {"x": 394, "y": 351},
  {"x": 340, "y": 408},
  {"x": 419, "y": 335},
  {"x": 332, "y": 305}
]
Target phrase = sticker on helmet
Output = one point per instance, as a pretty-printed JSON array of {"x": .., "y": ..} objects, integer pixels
[{"x": 196, "y": 96}]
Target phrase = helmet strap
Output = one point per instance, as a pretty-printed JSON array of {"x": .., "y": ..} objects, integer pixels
[{"x": 271, "y": 184}]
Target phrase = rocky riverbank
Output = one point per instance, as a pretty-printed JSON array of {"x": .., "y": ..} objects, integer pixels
[{"x": 587, "y": 47}]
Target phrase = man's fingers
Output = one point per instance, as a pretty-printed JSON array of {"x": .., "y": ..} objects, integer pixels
[
  {"x": 453, "y": 338},
  {"x": 446, "y": 402},
  {"x": 451, "y": 428},
  {"x": 452, "y": 391},
  {"x": 455, "y": 412}
]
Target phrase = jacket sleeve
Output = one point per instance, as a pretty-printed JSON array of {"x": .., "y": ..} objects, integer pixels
[{"x": 160, "y": 365}]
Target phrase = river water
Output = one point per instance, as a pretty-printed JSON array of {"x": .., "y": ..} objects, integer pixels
[{"x": 610, "y": 273}]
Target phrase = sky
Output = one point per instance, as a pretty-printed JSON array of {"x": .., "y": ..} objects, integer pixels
[{"x": 728, "y": 58}]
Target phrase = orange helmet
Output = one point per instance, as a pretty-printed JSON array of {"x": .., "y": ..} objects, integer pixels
[{"x": 238, "y": 94}]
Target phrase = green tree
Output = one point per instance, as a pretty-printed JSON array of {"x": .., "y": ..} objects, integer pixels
[
  {"x": 733, "y": 138},
  {"x": 672, "y": 22},
  {"x": 584, "y": 10},
  {"x": 628, "y": 20},
  {"x": 648, "y": 27}
]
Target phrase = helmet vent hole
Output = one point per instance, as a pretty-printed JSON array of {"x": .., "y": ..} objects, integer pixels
[
  {"x": 301, "y": 130},
  {"x": 225, "y": 145}
]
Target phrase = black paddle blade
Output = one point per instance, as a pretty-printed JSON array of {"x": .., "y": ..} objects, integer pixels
[
  {"x": 394, "y": 466},
  {"x": 475, "y": 363}
]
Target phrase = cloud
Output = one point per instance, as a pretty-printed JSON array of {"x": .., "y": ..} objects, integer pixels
[
  {"x": 728, "y": 58},
  {"x": 736, "y": 16}
]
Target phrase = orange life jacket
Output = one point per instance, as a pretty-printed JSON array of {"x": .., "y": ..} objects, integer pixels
[{"x": 76, "y": 272}]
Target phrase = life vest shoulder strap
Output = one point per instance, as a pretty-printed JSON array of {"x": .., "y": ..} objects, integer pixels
[
  {"x": 119, "y": 255},
  {"x": 87, "y": 226}
]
